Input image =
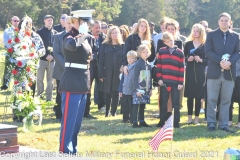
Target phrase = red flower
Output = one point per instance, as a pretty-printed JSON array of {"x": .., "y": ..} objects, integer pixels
[
  {"x": 169, "y": 88},
  {"x": 24, "y": 47},
  {"x": 30, "y": 84},
  {"x": 10, "y": 50},
  {"x": 28, "y": 69},
  {"x": 19, "y": 64},
  {"x": 9, "y": 41},
  {"x": 15, "y": 82},
  {"x": 17, "y": 40},
  {"x": 14, "y": 72},
  {"x": 31, "y": 54},
  {"x": 19, "y": 92},
  {"x": 33, "y": 45},
  {"x": 28, "y": 33},
  {"x": 16, "y": 29}
]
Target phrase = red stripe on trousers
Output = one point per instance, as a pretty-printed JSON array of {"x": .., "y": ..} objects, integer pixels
[{"x": 65, "y": 120}]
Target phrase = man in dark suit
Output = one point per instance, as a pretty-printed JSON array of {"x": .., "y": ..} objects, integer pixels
[
  {"x": 99, "y": 38},
  {"x": 59, "y": 64},
  {"x": 221, "y": 73}
]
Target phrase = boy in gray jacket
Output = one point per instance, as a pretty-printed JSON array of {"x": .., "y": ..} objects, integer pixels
[{"x": 126, "y": 87}]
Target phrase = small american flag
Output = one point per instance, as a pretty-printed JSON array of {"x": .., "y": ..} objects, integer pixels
[{"x": 165, "y": 133}]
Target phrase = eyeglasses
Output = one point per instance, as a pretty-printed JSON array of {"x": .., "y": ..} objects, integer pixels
[
  {"x": 63, "y": 17},
  {"x": 104, "y": 27},
  {"x": 15, "y": 20}
]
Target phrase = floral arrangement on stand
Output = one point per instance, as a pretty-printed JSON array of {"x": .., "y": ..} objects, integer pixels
[{"x": 21, "y": 67}]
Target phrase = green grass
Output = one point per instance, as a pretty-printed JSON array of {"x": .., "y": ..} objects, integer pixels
[{"x": 108, "y": 135}]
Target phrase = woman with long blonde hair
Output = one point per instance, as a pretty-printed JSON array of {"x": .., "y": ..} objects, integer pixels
[
  {"x": 196, "y": 63},
  {"x": 141, "y": 35},
  {"x": 110, "y": 58}
]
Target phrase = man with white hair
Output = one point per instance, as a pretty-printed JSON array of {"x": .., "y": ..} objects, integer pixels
[{"x": 61, "y": 27}]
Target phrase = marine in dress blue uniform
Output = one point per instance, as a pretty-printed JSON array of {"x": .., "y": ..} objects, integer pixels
[{"x": 75, "y": 82}]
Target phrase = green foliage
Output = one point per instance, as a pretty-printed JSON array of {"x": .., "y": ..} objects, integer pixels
[
  {"x": 19, "y": 8},
  {"x": 133, "y": 10},
  {"x": 106, "y": 10},
  {"x": 186, "y": 12}
]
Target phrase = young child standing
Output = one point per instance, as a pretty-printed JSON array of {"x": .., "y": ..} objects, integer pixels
[
  {"x": 126, "y": 87},
  {"x": 170, "y": 75},
  {"x": 142, "y": 86}
]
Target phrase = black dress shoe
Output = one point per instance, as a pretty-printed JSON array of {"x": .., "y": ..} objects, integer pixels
[
  {"x": 227, "y": 130},
  {"x": 160, "y": 124},
  {"x": 125, "y": 121},
  {"x": 211, "y": 129},
  {"x": 176, "y": 125},
  {"x": 4, "y": 87},
  {"x": 59, "y": 120},
  {"x": 113, "y": 114},
  {"x": 144, "y": 124},
  {"x": 90, "y": 116},
  {"x": 107, "y": 114},
  {"x": 135, "y": 125}
]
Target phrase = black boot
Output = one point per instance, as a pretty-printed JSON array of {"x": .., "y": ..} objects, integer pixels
[
  {"x": 176, "y": 125},
  {"x": 135, "y": 125},
  {"x": 160, "y": 124}
]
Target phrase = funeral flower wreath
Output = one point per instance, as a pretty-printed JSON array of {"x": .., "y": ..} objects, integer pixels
[{"x": 22, "y": 56}]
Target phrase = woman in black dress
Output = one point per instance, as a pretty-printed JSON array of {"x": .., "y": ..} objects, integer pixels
[
  {"x": 196, "y": 63},
  {"x": 110, "y": 58}
]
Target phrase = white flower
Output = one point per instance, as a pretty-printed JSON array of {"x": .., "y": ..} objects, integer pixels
[
  {"x": 36, "y": 100},
  {"x": 24, "y": 104},
  {"x": 145, "y": 42},
  {"x": 30, "y": 114},
  {"x": 20, "y": 106},
  {"x": 13, "y": 106},
  {"x": 50, "y": 49}
]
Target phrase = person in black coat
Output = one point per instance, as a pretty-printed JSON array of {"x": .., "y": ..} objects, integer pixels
[
  {"x": 110, "y": 58},
  {"x": 196, "y": 62}
]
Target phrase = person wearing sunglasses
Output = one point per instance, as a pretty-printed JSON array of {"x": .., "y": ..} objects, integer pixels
[
  {"x": 60, "y": 27},
  {"x": 6, "y": 35},
  {"x": 104, "y": 28}
]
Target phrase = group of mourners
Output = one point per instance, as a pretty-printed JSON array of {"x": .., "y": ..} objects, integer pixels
[{"x": 128, "y": 62}]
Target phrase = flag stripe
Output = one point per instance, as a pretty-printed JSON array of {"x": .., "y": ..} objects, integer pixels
[{"x": 165, "y": 133}]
